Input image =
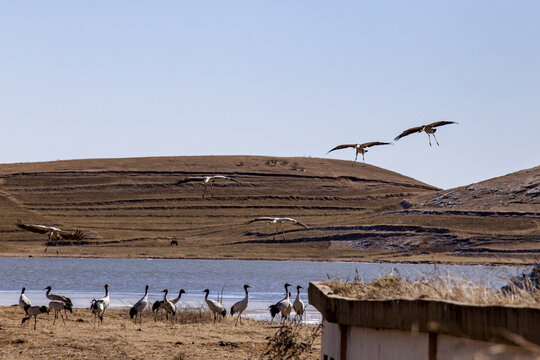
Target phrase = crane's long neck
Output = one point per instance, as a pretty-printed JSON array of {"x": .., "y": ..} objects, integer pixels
[
  {"x": 165, "y": 295},
  {"x": 206, "y": 296},
  {"x": 48, "y": 291},
  {"x": 106, "y": 291}
]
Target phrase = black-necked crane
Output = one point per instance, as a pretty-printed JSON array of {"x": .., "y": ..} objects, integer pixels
[
  {"x": 277, "y": 221},
  {"x": 284, "y": 306},
  {"x": 241, "y": 305},
  {"x": 360, "y": 148},
  {"x": 429, "y": 129},
  {"x": 34, "y": 311},
  {"x": 298, "y": 304},
  {"x": 138, "y": 308},
  {"x": 207, "y": 180},
  {"x": 58, "y": 307},
  {"x": 99, "y": 306},
  {"x": 24, "y": 301},
  {"x": 214, "y": 306},
  {"x": 169, "y": 307},
  {"x": 158, "y": 304},
  {"x": 57, "y": 297},
  {"x": 54, "y": 233}
]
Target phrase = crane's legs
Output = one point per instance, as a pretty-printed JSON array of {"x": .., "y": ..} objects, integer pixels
[
  {"x": 435, "y": 139},
  {"x": 429, "y": 139},
  {"x": 35, "y": 322},
  {"x": 204, "y": 192},
  {"x": 283, "y": 231},
  {"x": 356, "y": 157}
]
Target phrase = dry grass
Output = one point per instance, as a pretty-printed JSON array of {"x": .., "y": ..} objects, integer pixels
[
  {"x": 193, "y": 336},
  {"x": 446, "y": 288}
]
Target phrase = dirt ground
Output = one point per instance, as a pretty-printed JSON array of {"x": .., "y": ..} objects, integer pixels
[{"x": 119, "y": 338}]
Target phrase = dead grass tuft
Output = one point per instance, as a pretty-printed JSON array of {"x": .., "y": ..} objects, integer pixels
[
  {"x": 290, "y": 342},
  {"x": 393, "y": 286}
]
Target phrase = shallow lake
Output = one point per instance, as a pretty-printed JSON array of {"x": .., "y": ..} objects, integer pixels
[{"x": 83, "y": 279}]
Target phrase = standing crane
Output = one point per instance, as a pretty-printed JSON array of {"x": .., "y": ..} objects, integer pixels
[
  {"x": 24, "y": 301},
  {"x": 207, "y": 180},
  {"x": 138, "y": 308},
  {"x": 99, "y": 306},
  {"x": 284, "y": 306},
  {"x": 158, "y": 304},
  {"x": 241, "y": 305},
  {"x": 58, "y": 307},
  {"x": 214, "y": 306},
  {"x": 34, "y": 311},
  {"x": 360, "y": 148},
  {"x": 277, "y": 222},
  {"x": 298, "y": 304},
  {"x": 429, "y": 129},
  {"x": 58, "y": 297},
  {"x": 169, "y": 307}
]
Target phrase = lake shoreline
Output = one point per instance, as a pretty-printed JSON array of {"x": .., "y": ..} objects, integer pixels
[{"x": 368, "y": 259}]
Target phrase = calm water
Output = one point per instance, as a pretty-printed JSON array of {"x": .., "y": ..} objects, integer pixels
[{"x": 83, "y": 279}]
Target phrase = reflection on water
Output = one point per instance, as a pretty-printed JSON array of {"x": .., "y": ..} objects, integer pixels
[{"x": 83, "y": 279}]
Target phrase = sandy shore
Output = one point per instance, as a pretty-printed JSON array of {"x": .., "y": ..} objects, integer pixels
[{"x": 192, "y": 337}]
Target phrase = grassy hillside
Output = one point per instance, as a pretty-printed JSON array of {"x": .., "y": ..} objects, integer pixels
[{"x": 135, "y": 208}]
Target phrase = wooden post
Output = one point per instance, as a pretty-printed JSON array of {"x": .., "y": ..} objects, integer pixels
[{"x": 343, "y": 341}]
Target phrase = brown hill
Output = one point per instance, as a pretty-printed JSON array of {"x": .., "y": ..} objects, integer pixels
[{"x": 135, "y": 208}]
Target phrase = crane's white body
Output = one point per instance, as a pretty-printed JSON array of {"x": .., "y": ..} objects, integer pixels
[
  {"x": 207, "y": 180},
  {"x": 139, "y": 306},
  {"x": 24, "y": 301},
  {"x": 169, "y": 307},
  {"x": 241, "y": 305},
  {"x": 100, "y": 305},
  {"x": 298, "y": 304},
  {"x": 214, "y": 306},
  {"x": 278, "y": 221}
]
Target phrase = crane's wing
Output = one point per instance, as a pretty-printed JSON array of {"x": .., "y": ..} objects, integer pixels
[
  {"x": 296, "y": 222},
  {"x": 190, "y": 179},
  {"x": 409, "y": 132},
  {"x": 71, "y": 235},
  {"x": 374, "y": 143},
  {"x": 42, "y": 229},
  {"x": 221, "y": 177},
  {"x": 264, "y": 218},
  {"x": 342, "y": 147},
  {"x": 441, "y": 123}
]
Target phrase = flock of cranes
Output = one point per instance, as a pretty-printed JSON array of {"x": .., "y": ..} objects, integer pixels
[
  {"x": 60, "y": 303},
  {"x": 429, "y": 129},
  {"x": 56, "y": 234}
]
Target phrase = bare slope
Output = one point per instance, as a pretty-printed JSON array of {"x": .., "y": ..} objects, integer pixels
[{"x": 134, "y": 207}]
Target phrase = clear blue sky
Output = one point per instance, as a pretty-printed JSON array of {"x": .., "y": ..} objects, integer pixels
[{"x": 87, "y": 79}]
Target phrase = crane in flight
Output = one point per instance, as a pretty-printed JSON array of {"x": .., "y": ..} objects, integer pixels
[
  {"x": 54, "y": 233},
  {"x": 207, "y": 180},
  {"x": 360, "y": 148},
  {"x": 278, "y": 222},
  {"x": 429, "y": 129}
]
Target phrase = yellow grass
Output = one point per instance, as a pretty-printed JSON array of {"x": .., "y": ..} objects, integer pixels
[
  {"x": 119, "y": 338},
  {"x": 445, "y": 288}
]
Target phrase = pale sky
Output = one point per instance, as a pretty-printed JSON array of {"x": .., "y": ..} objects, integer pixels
[{"x": 106, "y": 79}]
